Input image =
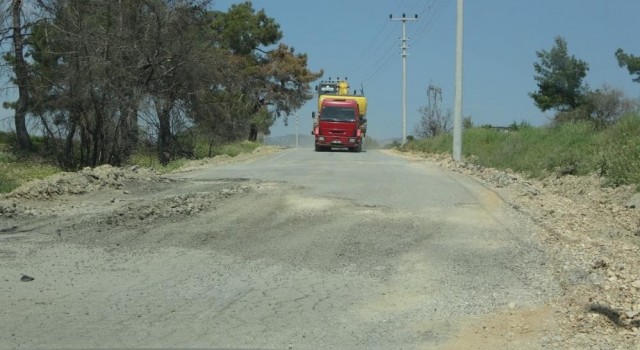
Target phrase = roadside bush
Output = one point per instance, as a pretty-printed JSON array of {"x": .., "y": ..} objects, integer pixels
[
  {"x": 233, "y": 149},
  {"x": 570, "y": 148},
  {"x": 14, "y": 172},
  {"x": 619, "y": 159},
  {"x": 395, "y": 144},
  {"x": 146, "y": 156},
  {"x": 7, "y": 184},
  {"x": 16, "y": 169}
]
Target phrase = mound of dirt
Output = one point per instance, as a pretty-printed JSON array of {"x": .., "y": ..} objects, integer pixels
[
  {"x": 106, "y": 176},
  {"x": 81, "y": 182}
]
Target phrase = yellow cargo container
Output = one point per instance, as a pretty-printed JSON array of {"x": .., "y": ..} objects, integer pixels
[{"x": 360, "y": 100}]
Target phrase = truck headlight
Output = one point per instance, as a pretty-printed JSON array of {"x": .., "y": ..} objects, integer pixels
[
  {"x": 352, "y": 140},
  {"x": 320, "y": 138}
]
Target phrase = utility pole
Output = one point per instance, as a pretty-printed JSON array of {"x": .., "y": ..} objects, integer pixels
[
  {"x": 404, "y": 20},
  {"x": 457, "y": 108},
  {"x": 297, "y": 125},
  {"x": 434, "y": 95}
]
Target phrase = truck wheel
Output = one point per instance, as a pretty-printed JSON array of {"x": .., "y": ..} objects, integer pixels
[
  {"x": 359, "y": 149},
  {"x": 319, "y": 148}
]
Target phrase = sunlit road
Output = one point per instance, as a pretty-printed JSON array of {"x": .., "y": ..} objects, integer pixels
[{"x": 324, "y": 250}]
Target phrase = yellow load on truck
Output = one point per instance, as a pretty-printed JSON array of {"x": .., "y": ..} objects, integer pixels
[{"x": 360, "y": 100}]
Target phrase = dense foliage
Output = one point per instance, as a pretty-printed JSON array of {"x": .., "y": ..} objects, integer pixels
[
  {"x": 559, "y": 77},
  {"x": 631, "y": 62},
  {"x": 104, "y": 77}
]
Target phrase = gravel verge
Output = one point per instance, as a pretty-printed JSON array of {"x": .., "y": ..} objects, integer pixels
[{"x": 592, "y": 233}]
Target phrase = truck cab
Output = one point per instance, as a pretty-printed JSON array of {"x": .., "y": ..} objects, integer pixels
[
  {"x": 338, "y": 125},
  {"x": 340, "y": 122}
]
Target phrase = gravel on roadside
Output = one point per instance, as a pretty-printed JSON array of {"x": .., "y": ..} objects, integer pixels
[{"x": 592, "y": 233}]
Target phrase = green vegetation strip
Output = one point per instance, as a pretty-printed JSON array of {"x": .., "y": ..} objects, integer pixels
[
  {"x": 14, "y": 170},
  {"x": 149, "y": 158},
  {"x": 14, "y": 173},
  {"x": 576, "y": 148}
]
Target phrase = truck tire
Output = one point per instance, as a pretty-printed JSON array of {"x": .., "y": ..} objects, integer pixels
[{"x": 319, "y": 148}]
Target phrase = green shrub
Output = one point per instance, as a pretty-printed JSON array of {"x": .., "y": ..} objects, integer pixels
[
  {"x": 17, "y": 168},
  {"x": 619, "y": 156},
  {"x": 7, "y": 184},
  {"x": 147, "y": 157},
  {"x": 577, "y": 148},
  {"x": 14, "y": 172},
  {"x": 233, "y": 149}
]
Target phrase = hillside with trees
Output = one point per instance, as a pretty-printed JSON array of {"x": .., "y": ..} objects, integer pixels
[{"x": 591, "y": 130}]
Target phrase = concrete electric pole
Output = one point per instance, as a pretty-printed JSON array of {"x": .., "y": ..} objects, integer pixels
[
  {"x": 457, "y": 108},
  {"x": 404, "y": 20},
  {"x": 297, "y": 128}
]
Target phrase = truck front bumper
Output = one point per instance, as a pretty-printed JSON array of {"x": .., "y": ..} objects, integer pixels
[{"x": 336, "y": 141}]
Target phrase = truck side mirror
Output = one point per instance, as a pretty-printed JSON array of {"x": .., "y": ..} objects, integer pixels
[{"x": 313, "y": 115}]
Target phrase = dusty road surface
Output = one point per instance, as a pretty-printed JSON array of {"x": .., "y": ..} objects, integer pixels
[{"x": 297, "y": 249}]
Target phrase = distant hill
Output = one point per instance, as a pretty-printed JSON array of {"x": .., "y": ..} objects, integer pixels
[{"x": 306, "y": 141}]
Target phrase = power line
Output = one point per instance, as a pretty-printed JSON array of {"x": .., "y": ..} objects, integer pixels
[
  {"x": 381, "y": 62},
  {"x": 382, "y": 67},
  {"x": 375, "y": 59},
  {"x": 364, "y": 65},
  {"x": 370, "y": 57},
  {"x": 434, "y": 9},
  {"x": 386, "y": 58},
  {"x": 369, "y": 52},
  {"x": 365, "y": 53}
]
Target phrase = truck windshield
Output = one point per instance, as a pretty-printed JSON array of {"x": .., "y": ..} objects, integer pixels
[{"x": 339, "y": 114}]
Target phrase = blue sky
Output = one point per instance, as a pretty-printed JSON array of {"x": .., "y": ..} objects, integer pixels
[{"x": 355, "y": 38}]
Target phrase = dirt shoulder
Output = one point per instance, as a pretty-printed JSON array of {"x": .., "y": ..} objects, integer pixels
[
  {"x": 93, "y": 190},
  {"x": 592, "y": 233}
]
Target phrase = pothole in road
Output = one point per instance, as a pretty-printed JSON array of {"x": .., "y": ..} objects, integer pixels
[{"x": 175, "y": 206}]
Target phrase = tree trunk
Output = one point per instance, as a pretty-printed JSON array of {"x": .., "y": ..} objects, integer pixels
[
  {"x": 165, "y": 140},
  {"x": 68, "y": 157},
  {"x": 253, "y": 133},
  {"x": 130, "y": 132},
  {"x": 20, "y": 68},
  {"x": 98, "y": 136}
]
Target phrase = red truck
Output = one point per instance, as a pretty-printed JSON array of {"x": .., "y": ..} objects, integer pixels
[{"x": 341, "y": 121}]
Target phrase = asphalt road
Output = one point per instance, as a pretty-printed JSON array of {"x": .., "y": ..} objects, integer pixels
[{"x": 306, "y": 250}]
